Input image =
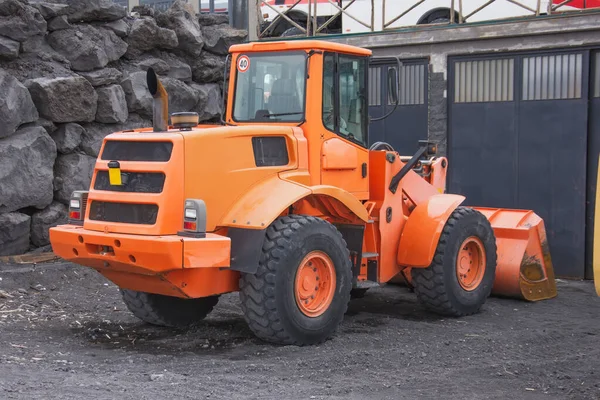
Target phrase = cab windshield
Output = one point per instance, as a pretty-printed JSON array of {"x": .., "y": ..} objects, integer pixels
[{"x": 270, "y": 87}]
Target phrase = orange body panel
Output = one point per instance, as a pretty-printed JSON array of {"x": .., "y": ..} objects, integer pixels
[
  {"x": 220, "y": 169},
  {"x": 524, "y": 268},
  {"x": 341, "y": 166},
  {"x": 172, "y": 265},
  {"x": 169, "y": 202},
  {"x": 298, "y": 45}
]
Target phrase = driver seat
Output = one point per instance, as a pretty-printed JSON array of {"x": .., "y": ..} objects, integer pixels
[{"x": 283, "y": 97}]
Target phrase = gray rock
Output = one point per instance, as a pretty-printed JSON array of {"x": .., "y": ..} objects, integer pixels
[
  {"x": 86, "y": 47},
  {"x": 137, "y": 95},
  {"x": 31, "y": 66},
  {"x": 73, "y": 172},
  {"x": 26, "y": 169},
  {"x": 119, "y": 27},
  {"x": 14, "y": 234},
  {"x": 143, "y": 10},
  {"x": 94, "y": 133},
  {"x": 101, "y": 77},
  {"x": 67, "y": 137},
  {"x": 213, "y": 19},
  {"x": 94, "y": 10},
  {"x": 16, "y": 105},
  {"x": 179, "y": 18},
  {"x": 112, "y": 106},
  {"x": 160, "y": 66},
  {"x": 47, "y": 125},
  {"x": 210, "y": 101},
  {"x": 49, "y": 10},
  {"x": 67, "y": 99},
  {"x": 208, "y": 68},
  {"x": 9, "y": 49},
  {"x": 38, "y": 46},
  {"x": 145, "y": 35},
  {"x": 178, "y": 69},
  {"x": 218, "y": 38},
  {"x": 58, "y": 23},
  {"x": 55, "y": 214},
  {"x": 19, "y": 20},
  {"x": 181, "y": 96}
]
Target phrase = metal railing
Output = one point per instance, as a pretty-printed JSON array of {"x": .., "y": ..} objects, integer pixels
[{"x": 459, "y": 12}]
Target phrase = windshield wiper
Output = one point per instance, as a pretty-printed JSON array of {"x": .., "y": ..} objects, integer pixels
[{"x": 282, "y": 114}]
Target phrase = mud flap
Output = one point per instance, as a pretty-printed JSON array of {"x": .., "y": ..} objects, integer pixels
[{"x": 524, "y": 269}]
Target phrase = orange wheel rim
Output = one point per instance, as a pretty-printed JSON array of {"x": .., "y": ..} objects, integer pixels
[
  {"x": 315, "y": 284},
  {"x": 470, "y": 263}
]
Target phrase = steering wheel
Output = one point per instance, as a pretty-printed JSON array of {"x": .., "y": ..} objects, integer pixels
[{"x": 381, "y": 146}]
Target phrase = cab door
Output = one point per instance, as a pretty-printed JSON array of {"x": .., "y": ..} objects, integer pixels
[{"x": 344, "y": 153}]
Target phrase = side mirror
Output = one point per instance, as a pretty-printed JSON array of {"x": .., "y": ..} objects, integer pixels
[{"x": 393, "y": 85}]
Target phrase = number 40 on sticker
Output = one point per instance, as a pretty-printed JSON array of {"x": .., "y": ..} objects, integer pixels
[{"x": 243, "y": 63}]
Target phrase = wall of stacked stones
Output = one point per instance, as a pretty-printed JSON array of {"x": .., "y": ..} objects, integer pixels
[{"x": 73, "y": 71}]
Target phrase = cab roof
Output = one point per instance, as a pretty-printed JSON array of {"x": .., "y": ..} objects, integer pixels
[{"x": 299, "y": 45}]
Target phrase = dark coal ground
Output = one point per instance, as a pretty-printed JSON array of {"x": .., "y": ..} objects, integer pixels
[{"x": 65, "y": 333}]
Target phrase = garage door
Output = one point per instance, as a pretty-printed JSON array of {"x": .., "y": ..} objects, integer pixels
[
  {"x": 518, "y": 139},
  {"x": 408, "y": 124}
]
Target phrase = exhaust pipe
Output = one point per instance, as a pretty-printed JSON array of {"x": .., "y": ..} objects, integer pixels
[{"x": 160, "y": 104}]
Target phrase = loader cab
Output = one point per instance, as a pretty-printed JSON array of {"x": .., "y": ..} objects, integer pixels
[
  {"x": 301, "y": 82},
  {"x": 318, "y": 86}
]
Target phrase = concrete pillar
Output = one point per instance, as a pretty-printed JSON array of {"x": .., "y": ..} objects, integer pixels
[
  {"x": 254, "y": 19},
  {"x": 195, "y": 5}
]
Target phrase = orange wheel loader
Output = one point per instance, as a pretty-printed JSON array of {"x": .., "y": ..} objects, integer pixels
[{"x": 285, "y": 202}]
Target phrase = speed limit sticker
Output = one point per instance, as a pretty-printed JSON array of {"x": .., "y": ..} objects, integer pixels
[{"x": 243, "y": 63}]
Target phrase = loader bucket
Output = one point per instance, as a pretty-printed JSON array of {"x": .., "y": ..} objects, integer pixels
[{"x": 524, "y": 269}]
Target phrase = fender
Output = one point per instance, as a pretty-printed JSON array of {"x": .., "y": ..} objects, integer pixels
[
  {"x": 346, "y": 198},
  {"x": 252, "y": 214},
  {"x": 423, "y": 229}
]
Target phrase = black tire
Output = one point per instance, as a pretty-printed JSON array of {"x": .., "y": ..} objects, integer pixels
[
  {"x": 358, "y": 293},
  {"x": 267, "y": 297},
  {"x": 168, "y": 311},
  {"x": 293, "y": 31},
  {"x": 437, "y": 286}
]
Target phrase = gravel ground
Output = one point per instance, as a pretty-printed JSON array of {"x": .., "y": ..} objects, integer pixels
[{"x": 65, "y": 333}]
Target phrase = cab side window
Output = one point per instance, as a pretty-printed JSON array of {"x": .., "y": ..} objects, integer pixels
[{"x": 344, "y": 100}]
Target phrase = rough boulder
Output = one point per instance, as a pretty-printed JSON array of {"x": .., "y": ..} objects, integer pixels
[
  {"x": 16, "y": 105},
  {"x": 68, "y": 99},
  {"x": 14, "y": 234},
  {"x": 26, "y": 169},
  {"x": 55, "y": 214},
  {"x": 19, "y": 20},
  {"x": 86, "y": 47},
  {"x": 73, "y": 172}
]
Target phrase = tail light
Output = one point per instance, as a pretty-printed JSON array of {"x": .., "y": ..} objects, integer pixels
[
  {"x": 77, "y": 207},
  {"x": 194, "y": 219}
]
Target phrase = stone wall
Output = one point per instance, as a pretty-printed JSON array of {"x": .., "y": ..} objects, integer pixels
[{"x": 73, "y": 71}]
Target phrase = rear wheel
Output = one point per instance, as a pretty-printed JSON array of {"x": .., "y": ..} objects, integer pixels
[
  {"x": 460, "y": 277},
  {"x": 301, "y": 290},
  {"x": 168, "y": 311}
]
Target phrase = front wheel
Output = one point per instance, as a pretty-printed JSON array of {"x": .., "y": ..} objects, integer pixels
[
  {"x": 460, "y": 277},
  {"x": 301, "y": 290}
]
